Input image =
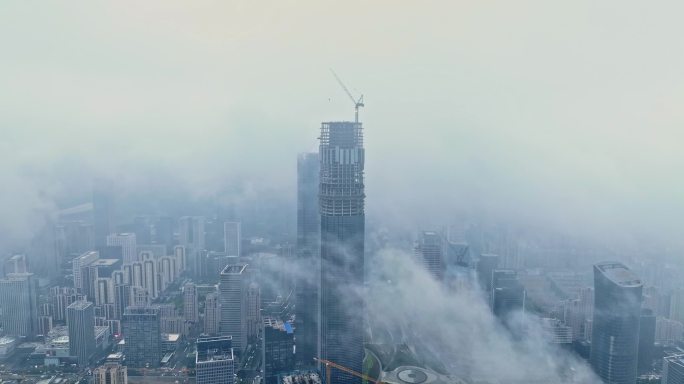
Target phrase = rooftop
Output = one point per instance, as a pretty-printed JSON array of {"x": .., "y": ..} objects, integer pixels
[
  {"x": 234, "y": 269},
  {"x": 619, "y": 274},
  {"x": 104, "y": 262},
  {"x": 81, "y": 304}
]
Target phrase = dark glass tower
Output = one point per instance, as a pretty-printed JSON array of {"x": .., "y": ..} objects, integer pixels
[
  {"x": 615, "y": 332},
  {"x": 341, "y": 196},
  {"x": 308, "y": 249}
]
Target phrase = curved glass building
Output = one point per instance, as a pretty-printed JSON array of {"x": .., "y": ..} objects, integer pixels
[{"x": 615, "y": 333}]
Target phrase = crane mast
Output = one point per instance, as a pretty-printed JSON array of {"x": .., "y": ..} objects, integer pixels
[{"x": 357, "y": 102}]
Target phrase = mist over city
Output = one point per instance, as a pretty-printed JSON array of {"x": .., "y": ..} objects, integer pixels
[{"x": 321, "y": 192}]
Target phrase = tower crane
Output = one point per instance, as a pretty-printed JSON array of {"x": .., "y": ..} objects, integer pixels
[
  {"x": 357, "y": 102},
  {"x": 329, "y": 364}
]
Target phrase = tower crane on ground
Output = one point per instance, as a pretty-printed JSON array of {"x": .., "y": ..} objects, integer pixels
[
  {"x": 329, "y": 364},
  {"x": 357, "y": 102}
]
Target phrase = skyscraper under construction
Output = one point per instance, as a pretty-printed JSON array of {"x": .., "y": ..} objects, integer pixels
[{"x": 341, "y": 196}]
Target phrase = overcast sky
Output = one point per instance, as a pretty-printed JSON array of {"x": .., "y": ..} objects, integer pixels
[{"x": 561, "y": 114}]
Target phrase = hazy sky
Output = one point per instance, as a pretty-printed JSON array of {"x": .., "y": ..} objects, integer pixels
[{"x": 561, "y": 114}]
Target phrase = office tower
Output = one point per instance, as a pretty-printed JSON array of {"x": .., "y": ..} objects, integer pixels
[
  {"x": 308, "y": 214},
  {"x": 508, "y": 295},
  {"x": 162, "y": 231},
  {"x": 232, "y": 287},
  {"x": 16, "y": 264},
  {"x": 212, "y": 314},
  {"x": 615, "y": 334},
  {"x": 214, "y": 361},
  {"x": 73, "y": 238},
  {"x": 647, "y": 332},
  {"x": 191, "y": 232},
  {"x": 142, "y": 227},
  {"x": 429, "y": 250},
  {"x": 128, "y": 244},
  {"x": 556, "y": 332},
  {"x": 307, "y": 289},
  {"x": 232, "y": 233},
  {"x": 673, "y": 369},
  {"x": 252, "y": 312},
  {"x": 81, "y": 324},
  {"x": 19, "y": 304},
  {"x": 342, "y": 212},
  {"x": 142, "y": 334},
  {"x": 110, "y": 373},
  {"x": 79, "y": 263},
  {"x": 677, "y": 305},
  {"x": 668, "y": 332},
  {"x": 102, "y": 207},
  {"x": 278, "y": 349},
  {"x": 485, "y": 266},
  {"x": 190, "y": 304}
]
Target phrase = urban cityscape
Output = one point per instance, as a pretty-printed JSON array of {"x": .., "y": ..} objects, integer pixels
[{"x": 204, "y": 237}]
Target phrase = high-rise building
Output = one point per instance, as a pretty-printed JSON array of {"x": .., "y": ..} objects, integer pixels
[
  {"x": 232, "y": 289},
  {"x": 81, "y": 262},
  {"x": 232, "y": 235},
  {"x": 342, "y": 199},
  {"x": 615, "y": 330},
  {"x": 122, "y": 299},
  {"x": 647, "y": 332},
  {"x": 212, "y": 314},
  {"x": 150, "y": 278},
  {"x": 677, "y": 305},
  {"x": 556, "y": 332},
  {"x": 190, "y": 304},
  {"x": 508, "y": 294},
  {"x": 110, "y": 373},
  {"x": 62, "y": 297},
  {"x": 104, "y": 291},
  {"x": 429, "y": 250},
  {"x": 485, "y": 266},
  {"x": 307, "y": 288},
  {"x": 673, "y": 369},
  {"x": 191, "y": 232},
  {"x": 128, "y": 244},
  {"x": 16, "y": 264},
  {"x": 252, "y": 312},
  {"x": 308, "y": 213},
  {"x": 278, "y": 349},
  {"x": 102, "y": 207},
  {"x": 142, "y": 335},
  {"x": 214, "y": 361},
  {"x": 668, "y": 332},
  {"x": 81, "y": 324},
  {"x": 19, "y": 304},
  {"x": 73, "y": 238}
]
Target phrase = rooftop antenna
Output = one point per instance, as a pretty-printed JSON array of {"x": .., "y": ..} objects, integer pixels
[{"x": 357, "y": 102}]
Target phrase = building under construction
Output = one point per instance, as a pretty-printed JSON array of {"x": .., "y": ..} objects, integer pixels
[{"x": 341, "y": 195}]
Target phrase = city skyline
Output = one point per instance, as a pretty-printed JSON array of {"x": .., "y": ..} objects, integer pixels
[{"x": 341, "y": 193}]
